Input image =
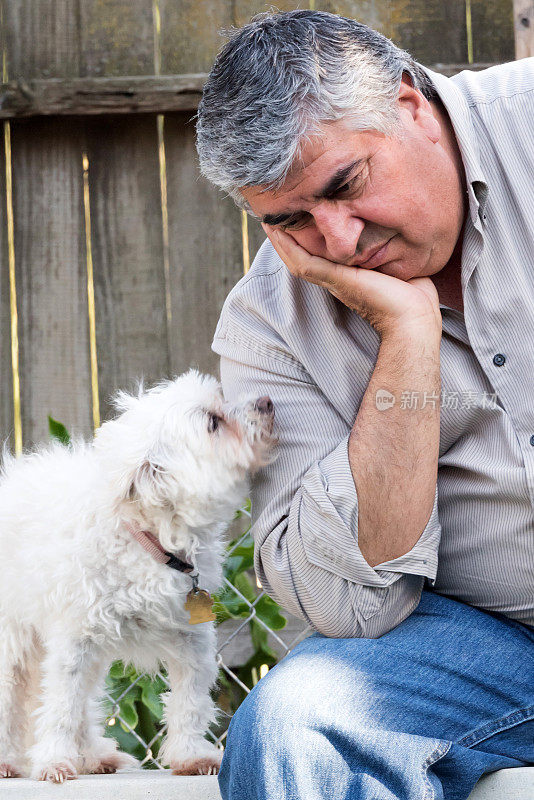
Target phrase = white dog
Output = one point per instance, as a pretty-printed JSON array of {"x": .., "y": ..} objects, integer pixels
[{"x": 100, "y": 545}]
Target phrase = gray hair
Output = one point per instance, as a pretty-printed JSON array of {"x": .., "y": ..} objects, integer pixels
[{"x": 282, "y": 75}]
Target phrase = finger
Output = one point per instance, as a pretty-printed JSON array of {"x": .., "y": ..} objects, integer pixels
[{"x": 301, "y": 263}]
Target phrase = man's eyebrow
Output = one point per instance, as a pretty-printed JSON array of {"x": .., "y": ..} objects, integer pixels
[{"x": 336, "y": 181}]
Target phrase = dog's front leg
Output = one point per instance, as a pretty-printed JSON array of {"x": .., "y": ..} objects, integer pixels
[
  {"x": 99, "y": 752},
  {"x": 189, "y": 709},
  {"x": 67, "y": 666}
]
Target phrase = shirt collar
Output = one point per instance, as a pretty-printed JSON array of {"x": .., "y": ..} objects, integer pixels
[{"x": 460, "y": 116}]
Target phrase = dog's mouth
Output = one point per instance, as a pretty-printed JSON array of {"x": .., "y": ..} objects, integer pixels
[
  {"x": 264, "y": 414},
  {"x": 264, "y": 439}
]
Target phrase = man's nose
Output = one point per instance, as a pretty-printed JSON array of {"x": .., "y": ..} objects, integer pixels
[{"x": 341, "y": 232}]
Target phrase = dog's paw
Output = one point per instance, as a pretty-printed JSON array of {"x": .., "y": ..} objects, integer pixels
[
  {"x": 9, "y": 770},
  {"x": 206, "y": 765},
  {"x": 112, "y": 762},
  {"x": 58, "y": 773}
]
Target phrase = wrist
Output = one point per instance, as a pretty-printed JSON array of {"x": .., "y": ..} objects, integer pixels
[{"x": 424, "y": 331}]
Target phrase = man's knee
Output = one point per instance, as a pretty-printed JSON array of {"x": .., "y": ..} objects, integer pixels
[
  {"x": 306, "y": 726},
  {"x": 307, "y": 690}
]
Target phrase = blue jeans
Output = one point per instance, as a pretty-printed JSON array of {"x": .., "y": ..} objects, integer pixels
[{"x": 419, "y": 714}]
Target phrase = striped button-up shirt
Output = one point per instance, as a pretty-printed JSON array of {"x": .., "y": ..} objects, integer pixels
[{"x": 282, "y": 336}]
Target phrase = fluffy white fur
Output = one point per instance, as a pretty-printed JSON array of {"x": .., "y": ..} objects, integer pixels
[{"x": 78, "y": 591}]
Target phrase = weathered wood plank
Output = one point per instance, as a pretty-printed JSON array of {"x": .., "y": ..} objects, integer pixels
[
  {"x": 125, "y": 200},
  {"x": 134, "y": 94},
  {"x": 524, "y": 28},
  {"x": 127, "y": 252},
  {"x": 432, "y": 31},
  {"x": 116, "y": 38},
  {"x": 51, "y": 276},
  {"x": 6, "y": 383},
  {"x": 27, "y": 98},
  {"x": 205, "y": 250},
  {"x": 53, "y": 38},
  {"x": 493, "y": 30},
  {"x": 190, "y": 39},
  {"x": 244, "y": 10},
  {"x": 369, "y": 12},
  {"x": 42, "y": 41},
  {"x": 42, "y": 38}
]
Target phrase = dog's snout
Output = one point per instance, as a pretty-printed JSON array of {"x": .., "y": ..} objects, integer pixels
[{"x": 264, "y": 405}]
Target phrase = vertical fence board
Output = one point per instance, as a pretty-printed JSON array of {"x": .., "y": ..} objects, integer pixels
[
  {"x": 189, "y": 33},
  {"x": 524, "y": 28},
  {"x": 370, "y": 12},
  {"x": 127, "y": 252},
  {"x": 205, "y": 244},
  {"x": 116, "y": 38},
  {"x": 51, "y": 276},
  {"x": 245, "y": 9},
  {"x": 205, "y": 250},
  {"x": 6, "y": 384},
  {"x": 125, "y": 199},
  {"x": 493, "y": 30},
  {"x": 432, "y": 31},
  {"x": 42, "y": 38}
]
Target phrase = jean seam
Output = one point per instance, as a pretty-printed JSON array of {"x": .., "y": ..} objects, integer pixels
[
  {"x": 490, "y": 729},
  {"x": 441, "y": 750}
]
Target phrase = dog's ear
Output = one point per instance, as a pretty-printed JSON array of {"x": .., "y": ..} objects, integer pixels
[{"x": 151, "y": 484}]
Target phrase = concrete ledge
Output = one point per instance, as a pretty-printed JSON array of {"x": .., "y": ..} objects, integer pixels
[
  {"x": 142, "y": 785},
  {"x": 507, "y": 784}
]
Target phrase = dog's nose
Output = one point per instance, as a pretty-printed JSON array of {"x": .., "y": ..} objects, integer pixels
[{"x": 264, "y": 405}]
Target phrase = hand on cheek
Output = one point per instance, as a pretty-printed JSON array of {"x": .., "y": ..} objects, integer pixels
[{"x": 292, "y": 254}]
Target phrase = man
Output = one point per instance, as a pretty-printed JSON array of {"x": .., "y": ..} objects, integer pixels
[{"x": 390, "y": 317}]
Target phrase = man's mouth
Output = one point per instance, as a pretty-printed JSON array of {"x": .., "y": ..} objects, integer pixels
[{"x": 375, "y": 257}]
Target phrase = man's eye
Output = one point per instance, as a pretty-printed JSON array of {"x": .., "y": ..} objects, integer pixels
[
  {"x": 297, "y": 224},
  {"x": 213, "y": 423},
  {"x": 347, "y": 188}
]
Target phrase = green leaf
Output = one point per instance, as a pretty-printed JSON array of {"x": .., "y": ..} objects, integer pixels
[
  {"x": 117, "y": 670},
  {"x": 128, "y": 713},
  {"x": 58, "y": 431},
  {"x": 231, "y": 604},
  {"x": 269, "y": 612},
  {"x": 150, "y": 697},
  {"x": 221, "y": 612},
  {"x": 243, "y": 585},
  {"x": 232, "y": 566}
]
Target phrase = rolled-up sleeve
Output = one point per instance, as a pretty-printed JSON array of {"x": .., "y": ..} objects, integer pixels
[{"x": 305, "y": 508}]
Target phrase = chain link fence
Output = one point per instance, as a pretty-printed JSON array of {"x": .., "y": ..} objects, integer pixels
[{"x": 253, "y": 635}]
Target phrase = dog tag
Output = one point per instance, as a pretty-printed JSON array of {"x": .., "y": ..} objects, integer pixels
[{"x": 199, "y": 605}]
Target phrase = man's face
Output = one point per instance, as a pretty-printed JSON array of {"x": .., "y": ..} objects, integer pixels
[{"x": 364, "y": 199}]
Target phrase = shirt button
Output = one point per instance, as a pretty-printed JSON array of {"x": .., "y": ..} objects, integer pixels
[
  {"x": 532, "y": 440},
  {"x": 499, "y": 359}
]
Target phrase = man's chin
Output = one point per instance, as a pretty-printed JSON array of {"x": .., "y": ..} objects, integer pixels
[{"x": 396, "y": 269}]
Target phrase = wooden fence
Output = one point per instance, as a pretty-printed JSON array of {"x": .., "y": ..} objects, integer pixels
[{"x": 115, "y": 255}]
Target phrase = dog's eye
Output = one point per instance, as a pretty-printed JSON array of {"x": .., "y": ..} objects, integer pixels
[{"x": 213, "y": 424}]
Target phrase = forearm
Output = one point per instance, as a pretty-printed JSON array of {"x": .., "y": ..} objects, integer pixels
[
  {"x": 305, "y": 512},
  {"x": 393, "y": 453}
]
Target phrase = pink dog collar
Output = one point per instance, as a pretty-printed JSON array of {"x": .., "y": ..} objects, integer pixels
[{"x": 151, "y": 544}]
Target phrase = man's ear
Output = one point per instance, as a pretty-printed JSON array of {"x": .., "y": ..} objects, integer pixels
[{"x": 412, "y": 101}]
